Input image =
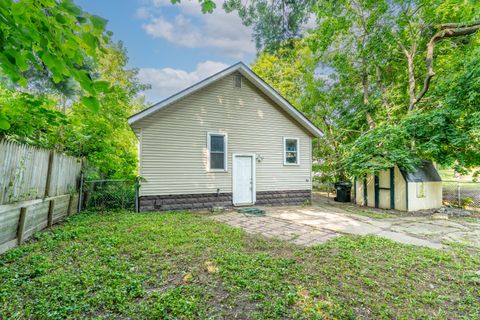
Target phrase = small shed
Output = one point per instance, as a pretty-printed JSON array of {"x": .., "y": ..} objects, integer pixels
[{"x": 401, "y": 190}]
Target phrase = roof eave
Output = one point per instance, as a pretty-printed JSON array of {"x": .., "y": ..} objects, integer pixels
[
  {"x": 254, "y": 78},
  {"x": 181, "y": 94}
]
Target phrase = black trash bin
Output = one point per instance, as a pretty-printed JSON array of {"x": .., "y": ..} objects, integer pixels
[{"x": 343, "y": 191}]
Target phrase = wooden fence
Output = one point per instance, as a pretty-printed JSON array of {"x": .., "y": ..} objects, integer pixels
[
  {"x": 28, "y": 173},
  {"x": 38, "y": 188}
]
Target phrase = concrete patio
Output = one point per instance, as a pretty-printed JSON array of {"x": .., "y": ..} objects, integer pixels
[{"x": 311, "y": 225}]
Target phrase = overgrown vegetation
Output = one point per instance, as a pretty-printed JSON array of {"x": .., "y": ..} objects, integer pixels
[
  {"x": 185, "y": 266},
  {"x": 388, "y": 82},
  {"x": 64, "y": 84}
]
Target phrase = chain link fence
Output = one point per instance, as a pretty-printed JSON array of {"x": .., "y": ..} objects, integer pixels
[
  {"x": 109, "y": 194},
  {"x": 324, "y": 189},
  {"x": 462, "y": 194}
]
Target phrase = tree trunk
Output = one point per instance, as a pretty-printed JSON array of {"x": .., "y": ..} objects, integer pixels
[
  {"x": 411, "y": 79},
  {"x": 370, "y": 121},
  {"x": 382, "y": 90},
  {"x": 410, "y": 56},
  {"x": 448, "y": 30}
]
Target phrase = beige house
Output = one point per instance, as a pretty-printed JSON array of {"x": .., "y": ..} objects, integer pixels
[
  {"x": 401, "y": 190},
  {"x": 227, "y": 140}
]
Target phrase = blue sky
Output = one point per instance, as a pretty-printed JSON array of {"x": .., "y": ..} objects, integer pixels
[{"x": 174, "y": 46}]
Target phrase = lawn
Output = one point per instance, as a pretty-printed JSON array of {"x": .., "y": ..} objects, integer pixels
[
  {"x": 449, "y": 175},
  {"x": 371, "y": 213},
  {"x": 185, "y": 266}
]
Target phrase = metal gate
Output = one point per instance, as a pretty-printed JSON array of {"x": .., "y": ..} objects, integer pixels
[{"x": 109, "y": 194}]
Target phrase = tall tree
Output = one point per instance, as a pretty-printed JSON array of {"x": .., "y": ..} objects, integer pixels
[
  {"x": 384, "y": 56},
  {"x": 273, "y": 21},
  {"x": 395, "y": 42},
  {"x": 54, "y": 36},
  {"x": 104, "y": 137}
]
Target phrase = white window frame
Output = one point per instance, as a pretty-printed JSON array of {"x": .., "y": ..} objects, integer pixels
[
  {"x": 285, "y": 151},
  {"x": 225, "y": 149}
]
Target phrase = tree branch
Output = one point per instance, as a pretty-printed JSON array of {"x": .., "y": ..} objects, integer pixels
[
  {"x": 410, "y": 55},
  {"x": 446, "y": 32},
  {"x": 382, "y": 90},
  {"x": 458, "y": 25}
]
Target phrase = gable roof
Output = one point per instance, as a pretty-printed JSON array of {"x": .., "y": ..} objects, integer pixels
[
  {"x": 254, "y": 79},
  {"x": 425, "y": 172}
]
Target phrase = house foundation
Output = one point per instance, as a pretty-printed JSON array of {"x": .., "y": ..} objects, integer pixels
[{"x": 200, "y": 201}]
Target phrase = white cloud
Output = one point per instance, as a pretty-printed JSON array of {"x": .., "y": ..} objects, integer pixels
[
  {"x": 193, "y": 29},
  {"x": 143, "y": 13},
  {"x": 168, "y": 81}
]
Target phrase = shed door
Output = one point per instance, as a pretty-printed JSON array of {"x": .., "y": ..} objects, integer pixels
[
  {"x": 384, "y": 190},
  {"x": 243, "y": 180}
]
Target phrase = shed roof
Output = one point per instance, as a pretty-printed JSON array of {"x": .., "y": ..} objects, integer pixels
[
  {"x": 425, "y": 172},
  {"x": 250, "y": 75}
]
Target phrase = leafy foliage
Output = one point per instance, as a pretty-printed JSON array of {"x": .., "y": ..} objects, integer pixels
[
  {"x": 31, "y": 119},
  {"x": 380, "y": 149},
  {"x": 77, "y": 92},
  {"x": 104, "y": 137},
  {"x": 448, "y": 131},
  {"x": 390, "y": 82},
  {"x": 273, "y": 21},
  {"x": 53, "y": 36},
  {"x": 289, "y": 70}
]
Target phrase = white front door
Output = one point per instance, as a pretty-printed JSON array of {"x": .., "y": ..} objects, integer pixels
[{"x": 243, "y": 179}]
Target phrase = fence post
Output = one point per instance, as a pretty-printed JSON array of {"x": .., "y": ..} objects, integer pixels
[
  {"x": 21, "y": 225},
  {"x": 137, "y": 185},
  {"x": 70, "y": 202},
  {"x": 458, "y": 194},
  {"x": 51, "y": 206},
  {"x": 49, "y": 173}
]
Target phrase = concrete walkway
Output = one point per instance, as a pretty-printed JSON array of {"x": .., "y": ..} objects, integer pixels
[
  {"x": 278, "y": 228},
  {"x": 319, "y": 223}
]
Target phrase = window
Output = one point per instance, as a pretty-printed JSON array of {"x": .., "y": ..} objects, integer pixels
[
  {"x": 290, "y": 151},
  {"x": 238, "y": 81},
  {"x": 217, "y": 151},
  {"x": 420, "y": 189}
]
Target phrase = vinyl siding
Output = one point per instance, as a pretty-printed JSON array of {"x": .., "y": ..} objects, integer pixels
[{"x": 173, "y": 152}]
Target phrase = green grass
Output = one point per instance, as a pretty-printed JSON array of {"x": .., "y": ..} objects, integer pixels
[
  {"x": 464, "y": 186},
  {"x": 467, "y": 219},
  {"x": 449, "y": 175},
  {"x": 185, "y": 266},
  {"x": 375, "y": 214}
]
